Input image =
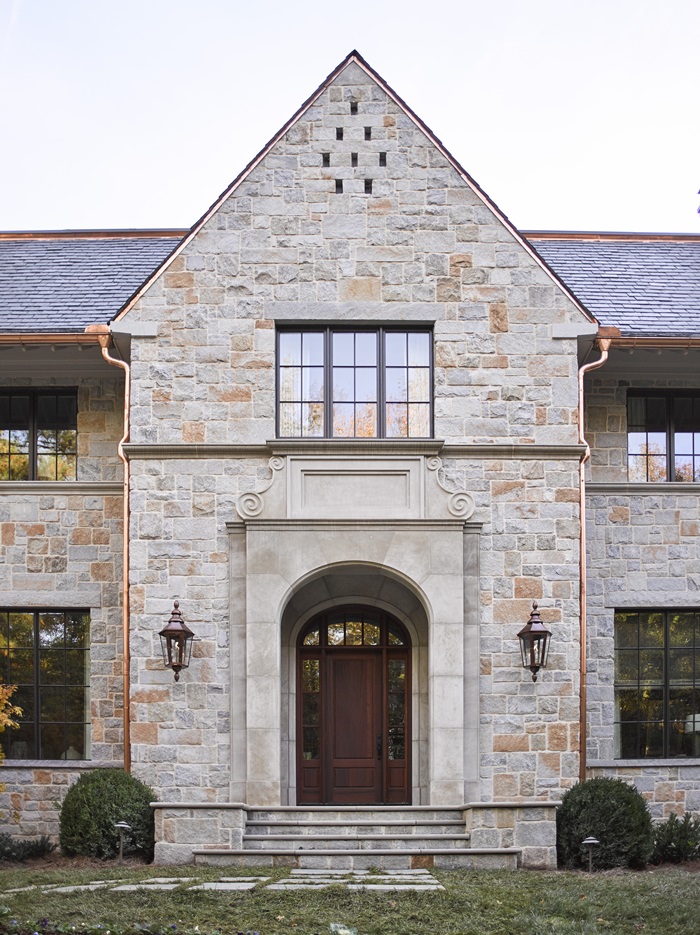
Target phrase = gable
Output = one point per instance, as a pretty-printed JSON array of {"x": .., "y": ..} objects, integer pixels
[{"x": 290, "y": 181}]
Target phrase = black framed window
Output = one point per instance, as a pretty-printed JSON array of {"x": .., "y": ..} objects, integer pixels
[
  {"x": 657, "y": 683},
  {"x": 663, "y": 436},
  {"x": 38, "y": 435},
  {"x": 354, "y": 383},
  {"x": 46, "y": 655}
]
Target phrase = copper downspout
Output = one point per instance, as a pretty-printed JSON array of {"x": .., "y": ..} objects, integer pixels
[
  {"x": 604, "y": 345},
  {"x": 105, "y": 339}
]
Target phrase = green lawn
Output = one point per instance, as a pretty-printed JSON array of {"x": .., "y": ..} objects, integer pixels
[{"x": 484, "y": 903}]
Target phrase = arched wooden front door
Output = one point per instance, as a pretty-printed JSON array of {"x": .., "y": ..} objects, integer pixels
[{"x": 353, "y": 709}]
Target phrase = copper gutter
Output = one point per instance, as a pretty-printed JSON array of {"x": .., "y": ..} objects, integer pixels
[
  {"x": 603, "y": 340},
  {"x": 105, "y": 339},
  {"x": 59, "y": 338}
]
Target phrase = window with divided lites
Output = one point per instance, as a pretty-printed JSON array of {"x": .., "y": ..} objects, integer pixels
[{"x": 354, "y": 383}]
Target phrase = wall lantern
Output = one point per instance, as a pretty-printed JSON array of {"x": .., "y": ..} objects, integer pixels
[
  {"x": 176, "y": 640},
  {"x": 534, "y": 643}
]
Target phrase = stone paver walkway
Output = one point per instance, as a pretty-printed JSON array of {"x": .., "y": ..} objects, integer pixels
[{"x": 387, "y": 881}]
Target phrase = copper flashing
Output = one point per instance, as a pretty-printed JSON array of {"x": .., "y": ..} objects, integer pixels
[
  {"x": 129, "y": 233},
  {"x": 356, "y": 58},
  {"x": 651, "y": 237},
  {"x": 47, "y": 338}
]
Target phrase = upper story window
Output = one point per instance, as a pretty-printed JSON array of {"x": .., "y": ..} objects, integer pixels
[
  {"x": 364, "y": 383},
  {"x": 38, "y": 435},
  {"x": 657, "y": 683},
  {"x": 663, "y": 436},
  {"x": 46, "y": 655}
]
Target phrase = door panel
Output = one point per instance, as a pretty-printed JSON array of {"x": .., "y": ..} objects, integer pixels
[{"x": 354, "y": 712}]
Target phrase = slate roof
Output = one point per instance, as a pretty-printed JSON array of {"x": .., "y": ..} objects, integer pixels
[
  {"x": 59, "y": 283},
  {"x": 62, "y": 282},
  {"x": 645, "y": 287}
]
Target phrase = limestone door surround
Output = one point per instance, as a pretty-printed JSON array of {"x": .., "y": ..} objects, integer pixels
[{"x": 338, "y": 529}]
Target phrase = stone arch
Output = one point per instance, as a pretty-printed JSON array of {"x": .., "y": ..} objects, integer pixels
[{"x": 356, "y": 583}]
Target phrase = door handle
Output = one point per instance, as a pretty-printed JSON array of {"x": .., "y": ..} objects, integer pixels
[{"x": 379, "y": 746}]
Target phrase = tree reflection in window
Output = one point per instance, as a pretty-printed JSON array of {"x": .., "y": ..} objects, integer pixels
[{"x": 46, "y": 654}]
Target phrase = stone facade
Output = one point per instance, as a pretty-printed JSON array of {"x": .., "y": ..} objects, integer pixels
[
  {"x": 643, "y": 553},
  {"x": 454, "y": 535},
  {"x": 425, "y": 248},
  {"x": 60, "y": 548}
]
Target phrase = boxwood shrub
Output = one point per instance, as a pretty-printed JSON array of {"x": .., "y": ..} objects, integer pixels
[
  {"x": 92, "y": 807},
  {"x": 613, "y": 812}
]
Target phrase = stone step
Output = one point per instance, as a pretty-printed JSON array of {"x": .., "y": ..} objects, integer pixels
[
  {"x": 506, "y": 858},
  {"x": 302, "y": 828},
  {"x": 297, "y": 843},
  {"x": 350, "y": 814}
]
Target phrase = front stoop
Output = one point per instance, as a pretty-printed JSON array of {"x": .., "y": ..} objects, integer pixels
[{"x": 474, "y": 836}]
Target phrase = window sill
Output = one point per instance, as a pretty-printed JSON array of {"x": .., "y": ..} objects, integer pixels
[
  {"x": 109, "y": 488},
  {"x": 616, "y": 488},
  {"x": 60, "y": 764},
  {"x": 680, "y": 761},
  {"x": 313, "y": 446}
]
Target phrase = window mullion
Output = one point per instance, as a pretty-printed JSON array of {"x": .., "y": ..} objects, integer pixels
[
  {"x": 37, "y": 699},
  {"x": 381, "y": 387},
  {"x": 328, "y": 382},
  {"x": 670, "y": 439},
  {"x": 32, "y": 437}
]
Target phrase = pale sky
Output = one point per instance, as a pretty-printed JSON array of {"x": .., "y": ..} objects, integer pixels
[{"x": 571, "y": 114}]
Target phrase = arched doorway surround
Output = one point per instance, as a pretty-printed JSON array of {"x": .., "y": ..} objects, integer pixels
[{"x": 376, "y": 590}]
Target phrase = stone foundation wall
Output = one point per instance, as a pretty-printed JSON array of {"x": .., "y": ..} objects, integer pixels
[
  {"x": 530, "y": 826},
  {"x": 668, "y": 789}
]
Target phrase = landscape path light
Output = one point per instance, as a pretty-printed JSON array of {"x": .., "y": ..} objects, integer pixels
[{"x": 590, "y": 842}]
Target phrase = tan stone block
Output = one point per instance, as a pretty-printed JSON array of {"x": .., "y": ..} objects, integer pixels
[
  {"x": 80, "y": 536},
  {"x": 264, "y": 323},
  {"x": 505, "y": 786},
  {"x": 561, "y": 589},
  {"x": 7, "y": 533},
  {"x": 113, "y": 507},
  {"x": 511, "y": 743},
  {"x": 42, "y": 776},
  {"x": 178, "y": 280},
  {"x": 101, "y": 571},
  {"x": 690, "y": 528},
  {"x": 549, "y": 765},
  {"x": 567, "y": 495},
  {"x": 101, "y": 536},
  {"x": 511, "y": 611},
  {"x": 32, "y": 529},
  {"x": 498, "y": 317},
  {"x": 664, "y": 792},
  {"x": 486, "y": 665},
  {"x": 150, "y": 696},
  {"x": 557, "y": 737},
  {"x": 382, "y": 206},
  {"x": 619, "y": 514},
  {"x": 460, "y": 261},
  {"x": 231, "y": 394},
  {"x": 144, "y": 733},
  {"x": 494, "y": 361},
  {"x": 504, "y": 488},
  {"x": 367, "y": 289},
  {"x": 449, "y": 290},
  {"x": 528, "y": 587},
  {"x": 193, "y": 432}
]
